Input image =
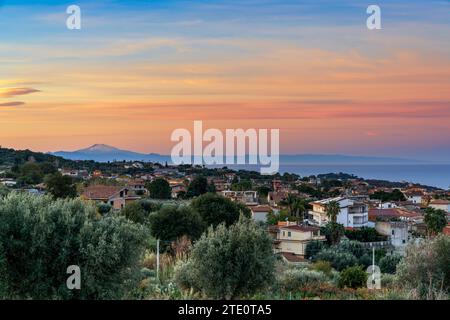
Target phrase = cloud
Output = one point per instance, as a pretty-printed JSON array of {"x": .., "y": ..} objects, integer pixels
[
  {"x": 12, "y": 92},
  {"x": 12, "y": 104}
]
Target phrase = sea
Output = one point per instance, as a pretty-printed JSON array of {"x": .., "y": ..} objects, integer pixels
[{"x": 435, "y": 175}]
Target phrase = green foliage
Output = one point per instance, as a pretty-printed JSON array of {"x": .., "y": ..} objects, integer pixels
[
  {"x": 40, "y": 238},
  {"x": 388, "y": 264},
  {"x": 172, "y": 222},
  {"x": 30, "y": 174},
  {"x": 395, "y": 195},
  {"x": 333, "y": 231},
  {"x": 197, "y": 187},
  {"x": 436, "y": 220},
  {"x": 337, "y": 258},
  {"x": 425, "y": 268},
  {"x": 159, "y": 189},
  {"x": 242, "y": 185},
  {"x": 364, "y": 235},
  {"x": 135, "y": 212},
  {"x": 215, "y": 209},
  {"x": 353, "y": 277},
  {"x": 313, "y": 248},
  {"x": 294, "y": 279},
  {"x": 103, "y": 208},
  {"x": 3, "y": 190},
  {"x": 60, "y": 186},
  {"x": 231, "y": 262},
  {"x": 322, "y": 266},
  {"x": 282, "y": 215},
  {"x": 353, "y": 247},
  {"x": 333, "y": 208}
]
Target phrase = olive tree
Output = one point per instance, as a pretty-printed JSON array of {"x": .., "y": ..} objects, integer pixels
[{"x": 227, "y": 263}]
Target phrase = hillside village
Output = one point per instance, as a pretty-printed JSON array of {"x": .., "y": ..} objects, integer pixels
[{"x": 293, "y": 209}]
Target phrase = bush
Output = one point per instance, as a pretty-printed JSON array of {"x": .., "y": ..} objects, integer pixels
[
  {"x": 294, "y": 279},
  {"x": 353, "y": 247},
  {"x": 229, "y": 262},
  {"x": 338, "y": 259},
  {"x": 388, "y": 264},
  {"x": 322, "y": 266},
  {"x": 353, "y": 277},
  {"x": 313, "y": 248}
]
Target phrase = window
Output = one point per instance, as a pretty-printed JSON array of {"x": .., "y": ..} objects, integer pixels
[
  {"x": 289, "y": 234},
  {"x": 284, "y": 233},
  {"x": 393, "y": 232}
]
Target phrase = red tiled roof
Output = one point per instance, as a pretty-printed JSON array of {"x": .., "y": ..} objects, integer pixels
[
  {"x": 261, "y": 209},
  {"x": 101, "y": 191},
  {"x": 392, "y": 213},
  {"x": 301, "y": 228},
  {"x": 440, "y": 201}
]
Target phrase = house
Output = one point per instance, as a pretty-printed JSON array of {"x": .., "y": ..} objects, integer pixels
[
  {"x": 178, "y": 189},
  {"x": 394, "y": 214},
  {"x": 396, "y": 231},
  {"x": 353, "y": 213},
  {"x": 274, "y": 198},
  {"x": 415, "y": 196},
  {"x": 249, "y": 198},
  {"x": 292, "y": 238},
  {"x": 440, "y": 204},
  {"x": 137, "y": 186},
  {"x": 259, "y": 213},
  {"x": 116, "y": 196}
]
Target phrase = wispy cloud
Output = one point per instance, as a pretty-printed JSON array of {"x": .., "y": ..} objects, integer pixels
[
  {"x": 12, "y": 92},
  {"x": 12, "y": 104}
]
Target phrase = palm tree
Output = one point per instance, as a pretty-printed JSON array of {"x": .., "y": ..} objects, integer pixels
[
  {"x": 333, "y": 208},
  {"x": 296, "y": 206}
]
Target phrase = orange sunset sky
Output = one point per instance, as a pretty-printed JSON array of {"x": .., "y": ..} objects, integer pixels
[{"x": 135, "y": 72}]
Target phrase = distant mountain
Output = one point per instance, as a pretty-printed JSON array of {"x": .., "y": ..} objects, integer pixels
[{"x": 105, "y": 153}]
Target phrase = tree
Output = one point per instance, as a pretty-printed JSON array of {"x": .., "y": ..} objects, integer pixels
[
  {"x": 172, "y": 222},
  {"x": 436, "y": 220},
  {"x": 134, "y": 212},
  {"x": 159, "y": 189},
  {"x": 60, "y": 186},
  {"x": 40, "y": 238},
  {"x": 3, "y": 190},
  {"x": 197, "y": 187},
  {"x": 242, "y": 185},
  {"x": 30, "y": 173},
  {"x": 388, "y": 264},
  {"x": 313, "y": 248},
  {"x": 353, "y": 277},
  {"x": 227, "y": 263},
  {"x": 333, "y": 208},
  {"x": 425, "y": 268},
  {"x": 103, "y": 208},
  {"x": 333, "y": 231},
  {"x": 215, "y": 209}
]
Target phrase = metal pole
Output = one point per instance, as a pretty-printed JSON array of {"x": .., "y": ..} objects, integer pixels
[
  {"x": 373, "y": 265},
  {"x": 157, "y": 259}
]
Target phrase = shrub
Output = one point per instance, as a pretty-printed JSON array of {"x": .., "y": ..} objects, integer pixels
[
  {"x": 353, "y": 247},
  {"x": 338, "y": 259},
  {"x": 322, "y": 266},
  {"x": 388, "y": 264},
  {"x": 313, "y": 248},
  {"x": 294, "y": 279},
  {"x": 353, "y": 277}
]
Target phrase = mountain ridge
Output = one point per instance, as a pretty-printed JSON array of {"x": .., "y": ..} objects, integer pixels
[{"x": 107, "y": 153}]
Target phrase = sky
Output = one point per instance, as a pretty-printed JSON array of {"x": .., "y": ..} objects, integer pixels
[{"x": 137, "y": 70}]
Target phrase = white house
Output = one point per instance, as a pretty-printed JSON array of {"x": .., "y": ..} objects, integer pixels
[
  {"x": 293, "y": 238},
  {"x": 353, "y": 213},
  {"x": 440, "y": 204},
  {"x": 396, "y": 231},
  {"x": 259, "y": 213},
  {"x": 414, "y": 196}
]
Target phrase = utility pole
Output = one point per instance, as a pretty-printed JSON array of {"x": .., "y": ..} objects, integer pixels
[
  {"x": 157, "y": 259},
  {"x": 373, "y": 265}
]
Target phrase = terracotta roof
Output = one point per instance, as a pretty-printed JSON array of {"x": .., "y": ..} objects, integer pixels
[
  {"x": 301, "y": 228},
  {"x": 261, "y": 209},
  {"x": 101, "y": 191},
  {"x": 392, "y": 213},
  {"x": 440, "y": 201}
]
